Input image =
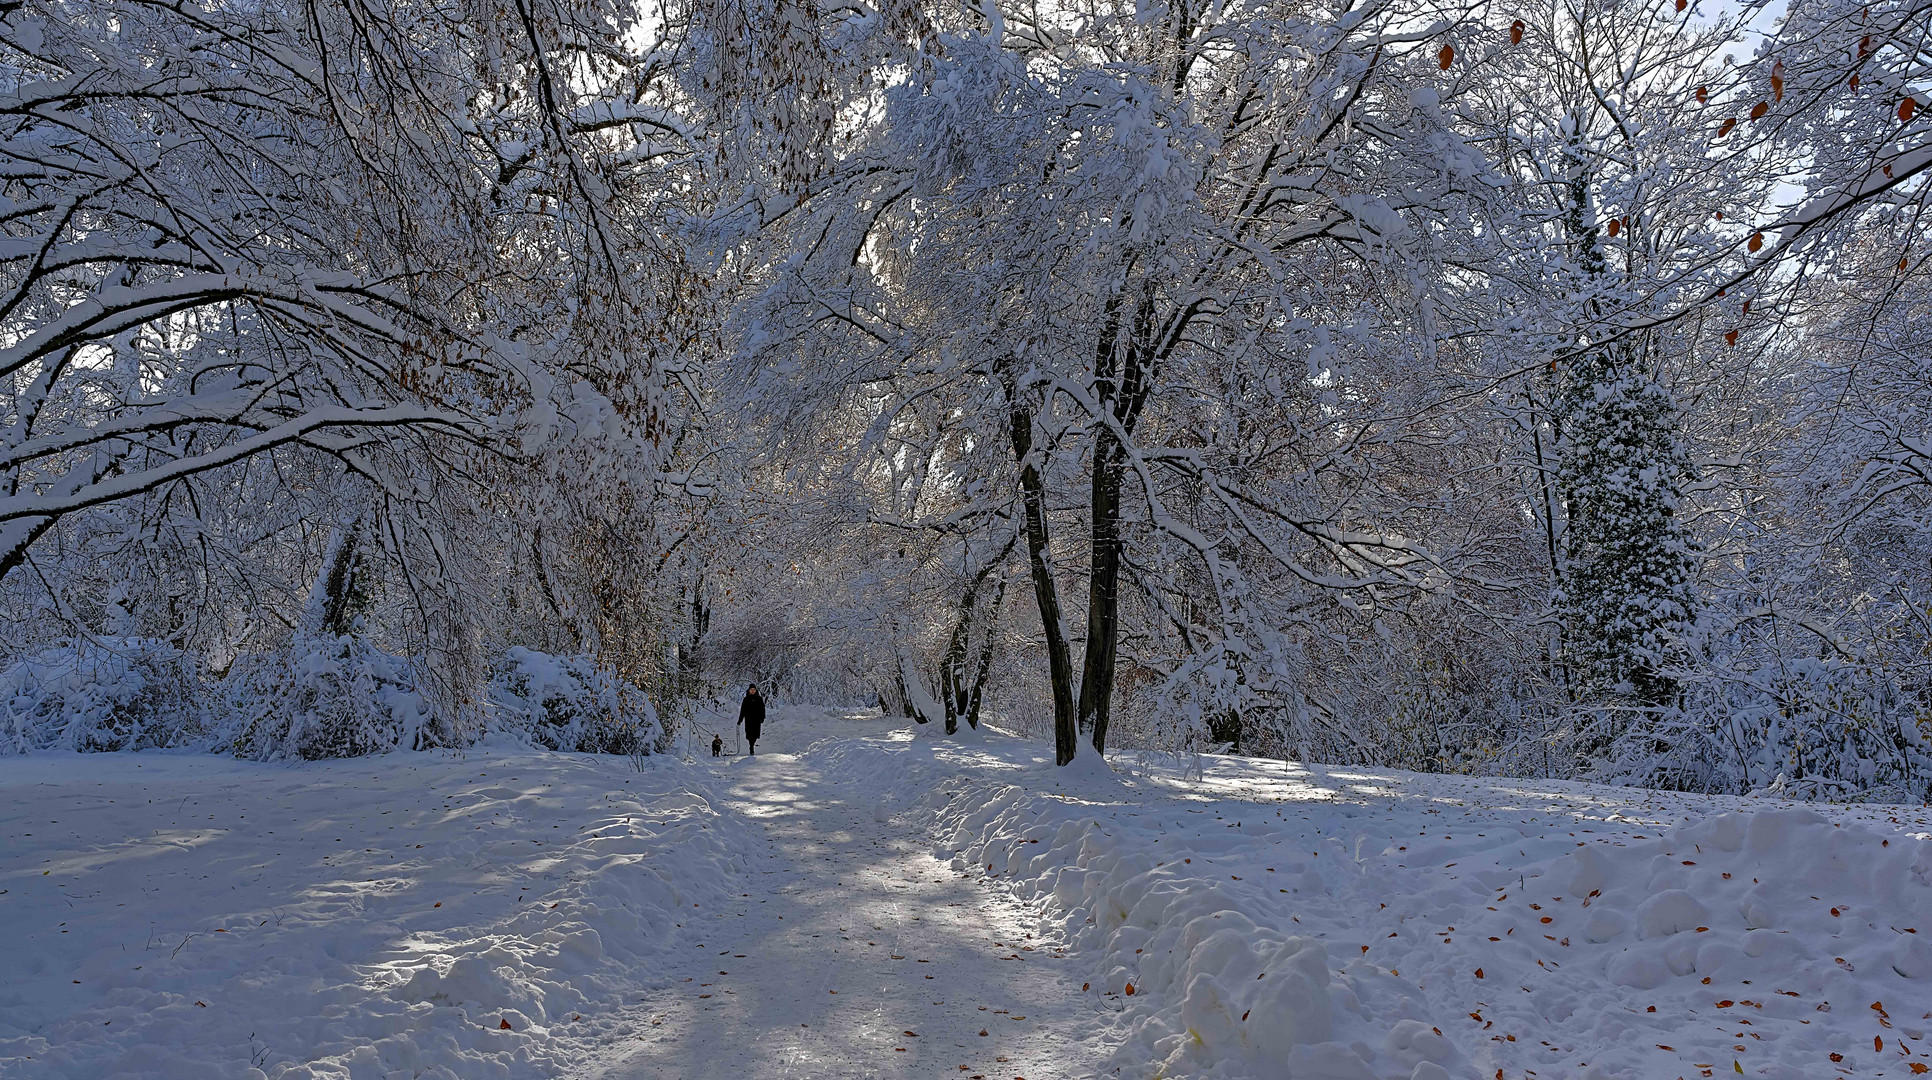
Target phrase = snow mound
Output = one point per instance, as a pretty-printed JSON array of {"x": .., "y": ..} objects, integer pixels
[
  {"x": 1669, "y": 912},
  {"x": 1200, "y": 984},
  {"x": 1778, "y": 894},
  {"x": 1086, "y": 767}
]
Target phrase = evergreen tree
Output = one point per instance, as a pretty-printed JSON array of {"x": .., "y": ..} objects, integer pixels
[{"x": 1625, "y": 593}]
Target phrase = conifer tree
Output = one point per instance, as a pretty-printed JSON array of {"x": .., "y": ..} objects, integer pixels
[
  {"x": 1625, "y": 594},
  {"x": 1624, "y": 586}
]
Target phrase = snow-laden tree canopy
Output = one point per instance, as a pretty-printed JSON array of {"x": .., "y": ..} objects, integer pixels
[{"x": 1535, "y": 390}]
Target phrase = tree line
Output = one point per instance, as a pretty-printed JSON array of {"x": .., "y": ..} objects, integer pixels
[{"x": 1532, "y": 389}]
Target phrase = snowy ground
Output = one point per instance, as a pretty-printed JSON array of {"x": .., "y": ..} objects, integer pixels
[
  {"x": 1264, "y": 918},
  {"x": 866, "y": 907},
  {"x": 855, "y": 952},
  {"x": 192, "y": 916}
]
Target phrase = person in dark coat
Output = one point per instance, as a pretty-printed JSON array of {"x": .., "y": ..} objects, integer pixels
[{"x": 751, "y": 713}]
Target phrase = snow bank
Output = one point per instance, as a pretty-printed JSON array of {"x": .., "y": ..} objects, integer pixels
[
  {"x": 418, "y": 915},
  {"x": 1203, "y": 987},
  {"x": 1728, "y": 891},
  {"x": 1262, "y": 919}
]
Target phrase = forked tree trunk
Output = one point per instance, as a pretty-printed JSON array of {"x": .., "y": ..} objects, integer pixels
[
  {"x": 962, "y": 684},
  {"x": 919, "y": 704},
  {"x": 1121, "y": 386},
  {"x": 1045, "y": 592}
]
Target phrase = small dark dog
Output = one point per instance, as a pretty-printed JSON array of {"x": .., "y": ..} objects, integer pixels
[{"x": 717, "y": 746}]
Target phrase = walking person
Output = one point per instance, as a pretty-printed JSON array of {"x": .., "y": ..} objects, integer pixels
[{"x": 751, "y": 713}]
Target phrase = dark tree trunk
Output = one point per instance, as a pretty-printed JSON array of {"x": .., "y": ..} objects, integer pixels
[
  {"x": 341, "y": 591},
  {"x": 688, "y": 656},
  {"x": 1103, "y": 592},
  {"x": 1121, "y": 386},
  {"x": 1045, "y": 592},
  {"x": 961, "y": 687},
  {"x": 905, "y": 697},
  {"x": 985, "y": 659},
  {"x": 952, "y": 672}
]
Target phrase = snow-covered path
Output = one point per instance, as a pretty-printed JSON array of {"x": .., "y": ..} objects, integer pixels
[
  {"x": 861, "y": 902},
  {"x": 856, "y": 953}
]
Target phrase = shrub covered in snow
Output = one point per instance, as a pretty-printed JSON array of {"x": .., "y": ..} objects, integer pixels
[
  {"x": 114, "y": 694},
  {"x": 328, "y": 697},
  {"x": 1800, "y": 728},
  {"x": 569, "y": 703}
]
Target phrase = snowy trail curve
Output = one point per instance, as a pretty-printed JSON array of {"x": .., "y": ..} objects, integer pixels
[{"x": 856, "y": 954}]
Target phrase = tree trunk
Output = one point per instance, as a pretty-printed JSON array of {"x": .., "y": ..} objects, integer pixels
[
  {"x": 1103, "y": 592},
  {"x": 952, "y": 671},
  {"x": 1121, "y": 388},
  {"x": 961, "y": 689},
  {"x": 1045, "y": 592},
  {"x": 905, "y": 698},
  {"x": 689, "y": 664},
  {"x": 985, "y": 659},
  {"x": 339, "y": 593},
  {"x": 920, "y": 706}
]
